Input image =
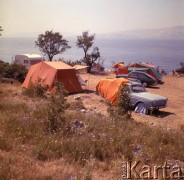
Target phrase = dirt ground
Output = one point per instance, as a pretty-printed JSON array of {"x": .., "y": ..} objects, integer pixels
[
  {"x": 25, "y": 165},
  {"x": 170, "y": 117}
]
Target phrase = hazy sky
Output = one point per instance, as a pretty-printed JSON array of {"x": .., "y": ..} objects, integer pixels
[{"x": 23, "y": 17}]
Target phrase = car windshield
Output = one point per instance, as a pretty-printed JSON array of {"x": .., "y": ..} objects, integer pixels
[{"x": 138, "y": 88}]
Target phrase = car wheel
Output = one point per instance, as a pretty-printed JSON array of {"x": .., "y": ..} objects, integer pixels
[
  {"x": 145, "y": 84},
  {"x": 141, "y": 108}
]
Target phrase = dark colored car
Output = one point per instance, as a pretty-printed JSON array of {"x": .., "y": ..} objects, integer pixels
[{"x": 143, "y": 77}]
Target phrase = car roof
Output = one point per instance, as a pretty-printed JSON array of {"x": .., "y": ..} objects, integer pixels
[
  {"x": 140, "y": 72},
  {"x": 134, "y": 83}
]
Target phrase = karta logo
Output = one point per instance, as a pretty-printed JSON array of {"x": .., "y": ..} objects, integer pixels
[{"x": 136, "y": 171}]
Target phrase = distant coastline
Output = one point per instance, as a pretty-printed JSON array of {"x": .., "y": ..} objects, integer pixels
[{"x": 165, "y": 53}]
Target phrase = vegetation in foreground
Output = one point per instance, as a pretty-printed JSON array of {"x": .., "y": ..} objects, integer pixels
[
  {"x": 36, "y": 133},
  {"x": 15, "y": 71}
]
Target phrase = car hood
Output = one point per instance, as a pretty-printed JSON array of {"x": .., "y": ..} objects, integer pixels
[{"x": 147, "y": 95}]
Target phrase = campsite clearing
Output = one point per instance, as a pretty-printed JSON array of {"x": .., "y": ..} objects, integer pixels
[
  {"x": 170, "y": 117},
  {"x": 26, "y": 151}
]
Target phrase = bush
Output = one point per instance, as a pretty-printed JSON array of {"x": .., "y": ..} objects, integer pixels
[
  {"x": 123, "y": 108},
  {"x": 181, "y": 69},
  {"x": 36, "y": 89},
  {"x": 15, "y": 71},
  {"x": 56, "y": 109},
  {"x": 3, "y": 67}
]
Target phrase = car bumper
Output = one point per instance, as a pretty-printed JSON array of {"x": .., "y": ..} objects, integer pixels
[
  {"x": 156, "y": 107},
  {"x": 155, "y": 84}
]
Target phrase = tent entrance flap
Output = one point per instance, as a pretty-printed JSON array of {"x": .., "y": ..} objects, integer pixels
[{"x": 69, "y": 80}]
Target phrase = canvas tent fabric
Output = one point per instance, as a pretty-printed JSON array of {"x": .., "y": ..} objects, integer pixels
[
  {"x": 137, "y": 69},
  {"x": 109, "y": 88},
  {"x": 80, "y": 67},
  {"x": 123, "y": 70},
  {"x": 117, "y": 65},
  {"x": 48, "y": 72},
  {"x": 137, "y": 66},
  {"x": 149, "y": 65}
]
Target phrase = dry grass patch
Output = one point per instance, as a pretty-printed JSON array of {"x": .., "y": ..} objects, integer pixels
[{"x": 99, "y": 146}]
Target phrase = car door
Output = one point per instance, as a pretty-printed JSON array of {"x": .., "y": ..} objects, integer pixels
[
  {"x": 143, "y": 77},
  {"x": 133, "y": 75},
  {"x": 133, "y": 98}
]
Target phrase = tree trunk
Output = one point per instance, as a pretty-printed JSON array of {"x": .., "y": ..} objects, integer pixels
[
  {"x": 50, "y": 58},
  {"x": 89, "y": 69},
  {"x": 85, "y": 54}
]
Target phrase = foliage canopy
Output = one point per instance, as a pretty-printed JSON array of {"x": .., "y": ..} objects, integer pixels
[
  {"x": 85, "y": 41},
  {"x": 51, "y": 44},
  {"x": 1, "y": 29}
]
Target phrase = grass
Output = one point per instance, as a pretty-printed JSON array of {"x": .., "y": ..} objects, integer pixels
[
  {"x": 4, "y": 169},
  {"x": 100, "y": 146}
]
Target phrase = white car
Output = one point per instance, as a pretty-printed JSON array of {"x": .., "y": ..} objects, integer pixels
[{"x": 142, "y": 101}]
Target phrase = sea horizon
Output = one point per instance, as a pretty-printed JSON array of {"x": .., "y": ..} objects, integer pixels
[{"x": 165, "y": 53}]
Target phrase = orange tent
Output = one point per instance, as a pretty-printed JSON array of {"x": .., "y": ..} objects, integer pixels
[
  {"x": 109, "y": 88},
  {"x": 80, "y": 67},
  {"x": 48, "y": 72},
  {"x": 149, "y": 68},
  {"x": 117, "y": 65}
]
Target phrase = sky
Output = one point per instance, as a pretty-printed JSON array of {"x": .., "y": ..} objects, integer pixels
[{"x": 72, "y": 17}]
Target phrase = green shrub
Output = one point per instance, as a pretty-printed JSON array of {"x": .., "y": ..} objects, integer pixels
[
  {"x": 15, "y": 71},
  {"x": 3, "y": 66},
  {"x": 56, "y": 108},
  {"x": 36, "y": 90},
  {"x": 124, "y": 105},
  {"x": 123, "y": 109}
]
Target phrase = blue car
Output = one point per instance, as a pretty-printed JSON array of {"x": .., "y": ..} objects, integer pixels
[
  {"x": 142, "y": 77},
  {"x": 143, "y": 101}
]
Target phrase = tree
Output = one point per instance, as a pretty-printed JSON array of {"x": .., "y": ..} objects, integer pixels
[
  {"x": 91, "y": 58},
  {"x": 85, "y": 42},
  {"x": 1, "y": 29},
  {"x": 51, "y": 44}
]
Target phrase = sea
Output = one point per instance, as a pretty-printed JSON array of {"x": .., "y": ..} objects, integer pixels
[{"x": 167, "y": 54}]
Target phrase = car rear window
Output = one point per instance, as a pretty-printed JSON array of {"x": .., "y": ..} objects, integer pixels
[{"x": 138, "y": 88}]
